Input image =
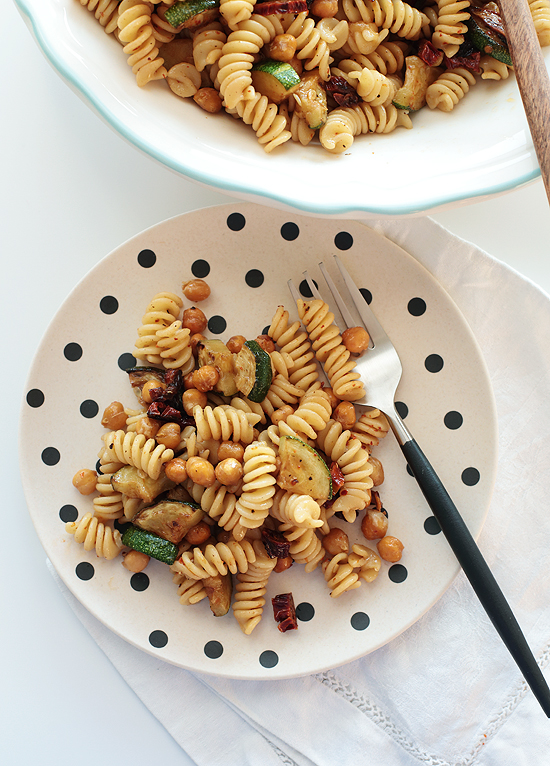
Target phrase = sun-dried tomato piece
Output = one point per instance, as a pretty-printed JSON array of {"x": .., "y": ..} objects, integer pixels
[
  {"x": 337, "y": 477},
  {"x": 429, "y": 53},
  {"x": 275, "y": 543},
  {"x": 280, "y": 6},
  {"x": 470, "y": 62},
  {"x": 341, "y": 91},
  {"x": 161, "y": 411},
  {"x": 284, "y": 612}
]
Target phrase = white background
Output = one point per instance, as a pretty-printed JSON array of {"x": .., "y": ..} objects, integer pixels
[{"x": 71, "y": 191}]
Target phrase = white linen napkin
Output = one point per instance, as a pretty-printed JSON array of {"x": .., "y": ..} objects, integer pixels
[{"x": 446, "y": 692}]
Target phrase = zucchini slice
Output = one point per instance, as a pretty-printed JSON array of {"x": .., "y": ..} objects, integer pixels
[
  {"x": 311, "y": 100},
  {"x": 150, "y": 544},
  {"x": 169, "y": 519},
  {"x": 129, "y": 481},
  {"x": 219, "y": 589},
  {"x": 275, "y": 79},
  {"x": 303, "y": 470},
  {"x": 216, "y": 353},
  {"x": 487, "y": 41},
  {"x": 253, "y": 373},
  {"x": 418, "y": 77},
  {"x": 191, "y": 14}
]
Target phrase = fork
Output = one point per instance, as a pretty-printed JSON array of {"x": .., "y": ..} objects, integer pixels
[{"x": 380, "y": 369}]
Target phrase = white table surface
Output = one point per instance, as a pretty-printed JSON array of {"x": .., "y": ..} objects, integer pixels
[{"x": 70, "y": 191}]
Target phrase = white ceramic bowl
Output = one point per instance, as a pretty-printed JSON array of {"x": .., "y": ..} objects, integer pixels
[{"x": 482, "y": 149}]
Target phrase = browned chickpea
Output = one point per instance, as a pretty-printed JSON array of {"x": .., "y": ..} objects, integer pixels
[
  {"x": 224, "y": 536},
  {"x": 205, "y": 378},
  {"x": 282, "y": 47},
  {"x": 196, "y": 290},
  {"x": 145, "y": 391},
  {"x": 377, "y": 474},
  {"x": 390, "y": 548},
  {"x": 135, "y": 561},
  {"x": 114, "y": 417},
  {"x": 281, "y": 414},
  {"x": 169, "y": 434},
  {"x": 324, "y": 9},
  {"x": 188, "y": 380},
  {"x": 176, "y": 470},
  {"x": 194, "y": 341},
  {"x": 265, "y": 342},
  {"x": 235, "y": 343},
  {"x": 85, "y": 481},
  {"x": 334, "y": 401},
  {"x": 345, "y": 414},
  {"x": 283, "y": 564},
  {"x": 356, "y": 339},
  {"x": 209, "y": 100},
  {"x": 191, "y": 398},
  {"x": 148, "y": 427},
  {"x": 194, "y": 319},
  {"x": 229, "y": 471},
  {"x": 374, "y": 525},
  {"x": 231, "y": 450},
  {"x": 336, "y": 542},
  {"x": 198, "y": 534},
  {"x": 200, "y": 471}
]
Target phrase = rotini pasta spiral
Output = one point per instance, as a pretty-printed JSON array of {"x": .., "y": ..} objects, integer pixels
[
  {"x": 163, "y": 32},
  {"x": 305, "y": 546},
  {"x": 174, "y": 347},
  {"x": 397, "y": 17},
  {"x": 343, "y": 124},
  {"x": 136, "y": 33},
  {"x": 265, "y": 120},
  {"x": 367, "y": 561},
  {"x": 105, "y": 11},
  {"x": 317, "y": 41},
  {"x": 449, "y": 32},
  {"x": 372, "y": 86},
  {"x": 371, "y": 426},
  {"x": 250, "y": 590},
  {"x": 160, "y": 313},
  {"x": 492, "y": 69},
  {"x": 313, "y": 413},
  {"x": 135, "y": 449},
  {"x": 109, "y": 504},
  {"x": 280, "y": 393},
  {"x": 292, "y": 340},
  {"x": 189, "y": 591},
  {"x": 219, "y": 504},
  {"x": 299, "y": 510},
  {"x": 236, "y": 11},
  {"x": 388, "y": 58},
  {"x": 449, "y": 88},
  {"x": 95, "y": 534},
  {"x": 540, "y": 13},
  {"x": 258, "y": 489},
  {"x": 215, "y": 559},
  {"x": 364, "y": 38},
  {"x": 340, "y": 575},
  {"x": 208, "y": 42},
  {"x": 224, "y": 423}
]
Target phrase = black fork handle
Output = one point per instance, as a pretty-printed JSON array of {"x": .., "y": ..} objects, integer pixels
[{"x": 475, "y": 567}]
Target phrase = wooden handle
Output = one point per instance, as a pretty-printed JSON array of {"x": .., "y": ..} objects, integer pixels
[{"x": 532, "y": 77}]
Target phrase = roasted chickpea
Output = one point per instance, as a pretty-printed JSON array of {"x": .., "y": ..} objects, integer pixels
[
  {"x": 188, "y": 380},
  {"x": 205, "y": 378},
  {"x": 145, "y": 391},
  {"x": 335, "y": 542},
  {"x": 169, "y": 434},
  {"x": 282, "y": 47},
  {"x": 198, "y": 534},
  {"x": 114, "y": 417},
  {"x": 191, "y": 398},
  {"x": 196, "y": 290},
  {"x": 283, "y": 564},
  {"x": 194, "y": 319},
  {"x": 356, "y": 340},
  {"x": 229, "y": 471},
  {"x": 377, "y": 474},
  {"x": 148, "y": 427},
  {"x": 135, "y": 561},
  {"x": 200, "y": 471},
  {"x": 194, "y": 341},
  {"x": 281, "y": 414},
  {"x": 374, "y": 525},
  {"x": 390, "y": 548},
  {"x": 209, "y": 100},
  {"x": 235, "y": 343},
  {"x": 265, "y": 342},
  {"x": 324, "y": 9},
  {"x": 85, "y": 481},
  {"x": 176, "y": 470},
  {"x": 345, "y": 414},
  {"x": 231, "y": 450}
]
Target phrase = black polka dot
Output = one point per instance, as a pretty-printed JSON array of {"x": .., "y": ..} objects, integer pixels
[
  {"x": 269, "y": 659},
  {"x": 213, "y": 650},
  {"x": 72, "y": 352},
  {"x": 453, "y": 420},
  {"x": 147, "y": 258},
  {"x": 51, "y": 456},
  {"x": 289, "y": 231},
  {"x": 367, "y": 295},
  {"x": 200, "y": 269},
  {"x": 85, "y": 570},
  {"x": 35, "y": 398},
  {"x": 402, "y": 409},
  {"x": 139, "y": 581},
  {"x": 89, "y": 408},
  {"x": 305, "y": 612},
  {"x": 416, "y": 307},
  {"x": 68, "y": 513},
  {"x": 397, "y": 573},
  {"x": 343, "y": 240},
  {"x": 108, "y": 304},
  {"x": 126, "y": 361},
  {"x": 304, "y": 289},
  {"x": 236, "y": 221},
  {"x": 254, "y": 278},
  {"x": 158, "y": 639},
  {"x": 433, "y": 363},
  {"x": 431, "y": 526},
  {"x": 217, "y": 325},
  {"x": 360, "y": 621},
  {"x": 470, "y": 476}
]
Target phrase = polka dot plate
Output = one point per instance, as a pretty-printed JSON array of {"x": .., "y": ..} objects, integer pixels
[{"x": 247, "y": 253}]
